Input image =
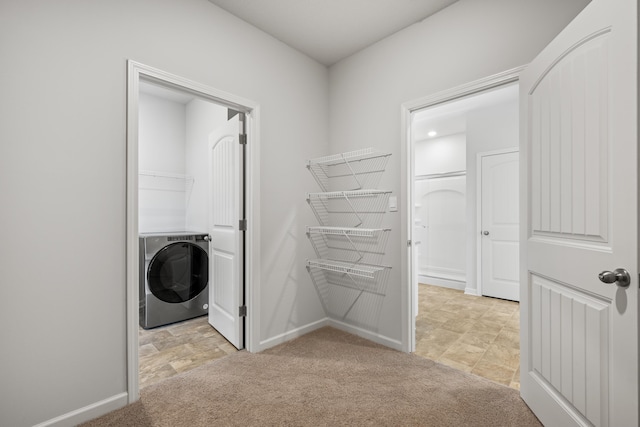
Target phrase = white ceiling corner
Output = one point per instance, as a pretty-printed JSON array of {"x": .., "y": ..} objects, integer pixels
[{"x": 330, "y": 30}]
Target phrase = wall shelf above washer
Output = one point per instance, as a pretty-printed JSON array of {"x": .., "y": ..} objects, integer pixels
[{"x": 164, "y": 181}]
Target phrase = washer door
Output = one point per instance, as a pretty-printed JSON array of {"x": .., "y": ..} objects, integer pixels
[{"x": 178, "y": 272}]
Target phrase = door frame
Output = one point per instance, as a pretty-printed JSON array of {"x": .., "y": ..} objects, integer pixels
[
  {"x": 407, "y": 154},
  {"x": 135, "y": 73},
  {"x": 479, "y": 157}
]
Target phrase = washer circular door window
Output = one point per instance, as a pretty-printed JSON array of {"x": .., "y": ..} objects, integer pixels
[{"x": 178, "y": 272}]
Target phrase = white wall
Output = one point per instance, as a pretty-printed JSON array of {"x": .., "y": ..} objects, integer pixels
[
  {"x": 441, "y": 155},
  {"x": 440, "y": 210},
  {"x": 202, "y": 118},
  {"x": 161, "y": 134},
  {"x": 63, "y": 180},
  {"x": 161, "y": 151},
  {"x": 467, "y": 41}
]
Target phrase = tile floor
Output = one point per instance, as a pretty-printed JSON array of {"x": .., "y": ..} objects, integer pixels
[
  {"x": 168, "y": 350},
  {"x": 474, "y": 334}
]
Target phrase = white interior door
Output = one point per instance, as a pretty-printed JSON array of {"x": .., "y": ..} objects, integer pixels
[
  {"x": 579, "y": 336},
  {"x": 499, "y": 216},
  {"x": 226, "y": 249}
]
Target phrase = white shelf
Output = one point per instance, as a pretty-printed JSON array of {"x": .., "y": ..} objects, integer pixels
[
  {"x": 360, "y": 270},
  {"x": 164, "y": 181},
  {"x": 354, "y": 245},
  {"x": 346, "y": 231},
  {"x": 350, "y": 194},
  {"x": 356, "y": 208},
  {"x": 353, "y": 170},
  {"x": 351, "y": 156}
]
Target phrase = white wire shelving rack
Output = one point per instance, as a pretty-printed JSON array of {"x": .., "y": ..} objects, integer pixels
[{"x": 349, "y": 242}]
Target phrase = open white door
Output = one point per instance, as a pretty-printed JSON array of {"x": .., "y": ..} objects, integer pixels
[
  {"x": 499, "y": 238},
  {"x": 226, "y": 249},
  {"x": 579, "y": 208}
]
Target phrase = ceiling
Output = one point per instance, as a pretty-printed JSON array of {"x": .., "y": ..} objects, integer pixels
[{"x": 330, "y": 30}]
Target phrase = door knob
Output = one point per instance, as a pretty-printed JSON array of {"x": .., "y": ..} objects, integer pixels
[
  {"x": 619, "y": 276},
  {"x": 486, "y": 233}
]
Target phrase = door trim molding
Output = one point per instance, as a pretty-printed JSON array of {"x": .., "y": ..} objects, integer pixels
[
  {"x": 479, "y": 157},
  {"x": 407, "y": 270},
  {"x": 135, "y": 72}
]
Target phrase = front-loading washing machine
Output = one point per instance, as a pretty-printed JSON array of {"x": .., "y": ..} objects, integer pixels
[{"x": 174, "y": 277}]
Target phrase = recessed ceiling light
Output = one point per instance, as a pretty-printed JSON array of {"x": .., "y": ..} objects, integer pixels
[{"x": 432, "y": 133}]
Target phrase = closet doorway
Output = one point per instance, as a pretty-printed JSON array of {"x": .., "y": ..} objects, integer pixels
[
  {"x": 454, "y": 323},
  {"x": 191, "y": 153},
  {"x": 176, "y": 250}
]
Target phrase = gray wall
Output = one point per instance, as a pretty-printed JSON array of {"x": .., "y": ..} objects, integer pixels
[
  {"x": 62, "y": 181},
  {"x": 467, "y": 41}
]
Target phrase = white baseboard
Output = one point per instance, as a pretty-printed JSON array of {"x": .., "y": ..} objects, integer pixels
[
  {"x": 295, "y": 333},
  {"x": 471, "y": 291},
  {"x": 371, "y": 336},
  {"x": 298, "y": 332},
  {"x": 87, "y": 413},
  {"x": 444, "y": 283}
]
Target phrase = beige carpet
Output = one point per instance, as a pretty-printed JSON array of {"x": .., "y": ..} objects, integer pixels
[{"x": 325, "y": 378}]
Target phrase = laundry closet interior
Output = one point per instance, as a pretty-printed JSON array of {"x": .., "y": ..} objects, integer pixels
[{"x": 174, "y": 129}]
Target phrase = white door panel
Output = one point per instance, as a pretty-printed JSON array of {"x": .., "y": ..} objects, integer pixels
[
  {"x": 223, "y": 298},
  {"x": 226, "y": 264},
  {"x": 579, "y": 336},
  {"x": 226, "y": 239},
  {"x": 500, "y": 226}
]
